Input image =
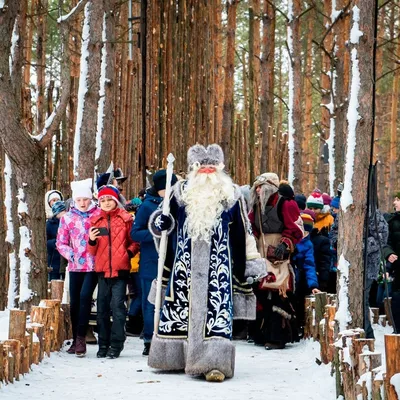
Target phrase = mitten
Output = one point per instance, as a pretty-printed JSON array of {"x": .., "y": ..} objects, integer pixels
[
  {"x": 163, "y": 222},
  {"x": 281, "y": 251}
]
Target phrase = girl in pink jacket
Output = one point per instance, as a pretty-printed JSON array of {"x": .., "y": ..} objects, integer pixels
[{"x": 72, "y": 238}]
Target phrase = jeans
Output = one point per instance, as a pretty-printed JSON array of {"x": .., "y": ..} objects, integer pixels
[
  {"x": 136, "y": 303},
  {"x": 111, "y": 296},
  {"x": 369, "y": 332},
  {"x": 147, "y": 310},
  {"x": 81, "y": 288}
]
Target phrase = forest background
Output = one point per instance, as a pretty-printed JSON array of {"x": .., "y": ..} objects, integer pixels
[{"x": 86, "y": 82}]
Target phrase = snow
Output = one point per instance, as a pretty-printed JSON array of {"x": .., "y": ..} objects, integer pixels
[
  {"x": 342, "y": 314},
  {"x": 259, "y": 374},
  {"x": 4, "y": 324},
  {"x": 14, "y": 44},
  {"x": 25, "y": 245},
  {"x": 12, "y": 288},
  {"x": 102, "y": 91},
  {"x": 331, "y": 140},
  {"x": 335, "y": 13},
  {"x": 355, "y": 32},
  {"x": 291, "y": 130},
  {"x": 64, "y": 17},
  {"x": 2, "y": 3},
  {"x": 83, "y": 84},
  {"x": 395, "y": 381}
]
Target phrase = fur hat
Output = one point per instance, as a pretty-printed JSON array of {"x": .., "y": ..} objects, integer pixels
[
  {"x": 308, "y": 218},
  {"x": 82, "y": 189},
  {"x": 54, "y": 194},
  {"x": 212, "y": 155},
  {"x": 335, "y": 203},
  {"x": 160, "y": 180},
  {"x": 301, "y": 201},
  {"x": 267, "y": 177},
  {"x": 109, "y": 191},
  {"x": 315, "y": 200},
  {"x": 58, "y": 207}
]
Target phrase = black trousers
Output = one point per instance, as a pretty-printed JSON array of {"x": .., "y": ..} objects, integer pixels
[{"x": 111, "y": 301}]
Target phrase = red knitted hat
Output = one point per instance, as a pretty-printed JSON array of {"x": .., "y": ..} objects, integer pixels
[{"x": 109, "y": 191}]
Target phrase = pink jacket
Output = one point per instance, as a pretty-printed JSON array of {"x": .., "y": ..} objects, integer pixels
[{"x": 72, "y": 238}]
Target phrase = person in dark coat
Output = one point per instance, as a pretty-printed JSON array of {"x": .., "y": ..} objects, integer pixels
[
  {"x": 148, "y": 253},
  {"x": 55, "y": 262},
  {"x": 377, "y": 238},
  {"x": 391, "y": 253},
  {"x": 322, "y": 255}
]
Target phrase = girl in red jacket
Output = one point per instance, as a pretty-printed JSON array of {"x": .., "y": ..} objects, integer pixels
[{"x": 112, "y": 246}]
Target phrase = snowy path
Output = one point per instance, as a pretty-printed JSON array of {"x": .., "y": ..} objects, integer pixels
[{"x": 271, "y": 375}]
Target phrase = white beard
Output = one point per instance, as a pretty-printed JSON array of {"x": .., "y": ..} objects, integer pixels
[
  {"x": 204, "y": 196},
  {"x": 266, "y": 192}
]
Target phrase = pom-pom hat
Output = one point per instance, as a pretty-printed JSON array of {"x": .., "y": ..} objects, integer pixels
[
  {"x": 308, "y": 218},
  {"x": 315, "y": 200},
  {"x": 109, "y": 191}
]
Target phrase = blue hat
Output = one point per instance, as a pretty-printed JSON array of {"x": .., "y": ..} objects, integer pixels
[
  {"x": 160, "y": 179},
  {"x": 103, "y": 179},
  {"x": 58, "y": 207},
  {"x": 301, "y": 201},
  {"x": 335, "y": 202}
]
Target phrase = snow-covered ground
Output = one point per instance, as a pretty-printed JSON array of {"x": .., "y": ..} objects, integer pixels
[
  {"x": 280, "y": 374},
  {"x": 291, "y": 373}
]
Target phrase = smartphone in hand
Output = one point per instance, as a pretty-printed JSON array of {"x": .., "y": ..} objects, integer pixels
[{"x": 102, "y": 231}]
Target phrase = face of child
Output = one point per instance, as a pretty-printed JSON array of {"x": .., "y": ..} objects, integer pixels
[
  {"x": 82, "y": 203},
  {"x": 335, "y": 210},
  {"x": 316, "y": 210},
  {"x": 107, "y": 204},
  {"x": 52, "y": 201},
  {"x": 396, "y": 204}
]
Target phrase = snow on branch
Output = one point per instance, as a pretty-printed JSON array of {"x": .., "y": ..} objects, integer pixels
[{"x": 76, "y": 10}]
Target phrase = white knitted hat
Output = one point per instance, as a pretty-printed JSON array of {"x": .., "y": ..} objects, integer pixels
[{"x": 82, "y": 189}]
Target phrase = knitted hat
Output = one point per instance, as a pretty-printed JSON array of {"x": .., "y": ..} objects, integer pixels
[
  {"x": 327, "y": 199},
  {"x": 301, "y": 201},
  {"x": 82, "y": 189},
  {"x": 335, "y": 203},
  {"x": 58, "y": 207},
  {"x": 55, "y": 194},
  {"x": 104, "y": 179},
  {"x": 109, "y": 191},
  {"x": 315, "y": 200},
  {"x": 160, "y": 179},
  {"x": 308, "y": 218},
  {"x": 267, "y": 177}
]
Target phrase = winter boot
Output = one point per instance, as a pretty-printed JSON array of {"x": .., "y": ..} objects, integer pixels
[
  {"x": 71, "y": 349},
  {"x": 102, "y": 352},
  {"x": 113, "y": 353},
  {"x": 80, "y": 349},
  {"x": 274, "y": 346},
  {"x": 215, "y": 376},
  {"x": 90, "y": 338},
  {"x": 146, "y": 350}
]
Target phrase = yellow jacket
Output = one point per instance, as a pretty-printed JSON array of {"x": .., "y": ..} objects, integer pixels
[{"x": 323, "y": 221}]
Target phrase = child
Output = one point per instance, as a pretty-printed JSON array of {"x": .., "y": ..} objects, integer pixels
[
  {"x": 303, "y": 259},
  {"x": 55, "y": 262},
  {"x": 72, "y": 238},
  {"x": 112, "y": 247},
  {"x": 323, "y": 217}
]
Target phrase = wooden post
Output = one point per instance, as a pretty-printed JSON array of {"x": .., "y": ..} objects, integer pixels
[
  {"x": 38, "y": 344},
  {"x": 392, "y": 349},
  {"x": 308, "y": 317},
  {"x": 57, "y": 289},
  {"x": 67, "y": 321},
  {"x": 375, "y": 313},
  {"x": 1, "y": 363},
  {"x": 41, "y": 315},
  {"x": 320, "y": 303},
  {"x": 14, "y": 347},
  {"x": 388, "y": 306},
  {"x": 17, "y": 326},
  {"x": 54, "y": 306}
]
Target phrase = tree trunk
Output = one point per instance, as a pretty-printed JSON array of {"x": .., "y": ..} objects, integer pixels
[
  {"x": 88, "y": 93},
  {"x": 353, "y": 201},
  {"x": 267, "y": 75},
  {"x": 227, "y": 122},
  {"x": 295, "y": 96}
]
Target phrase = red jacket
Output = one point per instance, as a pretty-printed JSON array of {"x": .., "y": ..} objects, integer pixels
[{"x": 111, "y": 252}]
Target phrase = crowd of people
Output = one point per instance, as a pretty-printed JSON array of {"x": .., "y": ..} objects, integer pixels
[{"x": 243, "y": 254}]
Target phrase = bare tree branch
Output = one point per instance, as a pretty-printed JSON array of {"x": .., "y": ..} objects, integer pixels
[{"x": 75, "y": 11}]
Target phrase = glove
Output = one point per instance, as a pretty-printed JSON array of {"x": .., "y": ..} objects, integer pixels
[
  {"x": 163, "y": 222},
  {"x": 281, "y": 251}
]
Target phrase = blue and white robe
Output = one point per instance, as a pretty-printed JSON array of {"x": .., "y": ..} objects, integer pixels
[{"x": 204, "y": 290}]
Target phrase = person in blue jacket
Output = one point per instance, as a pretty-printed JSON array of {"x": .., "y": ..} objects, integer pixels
[
  {"x": 56, "y": 264},
  {"x": 305, "y": 271},
  {"x": 148, "y": 253}
]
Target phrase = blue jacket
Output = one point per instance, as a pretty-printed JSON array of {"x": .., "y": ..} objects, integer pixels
[
  {"x": 53, "y": 256},
  {"x": 305, "y": 264},
  {"x": 140, "y": 233}
]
